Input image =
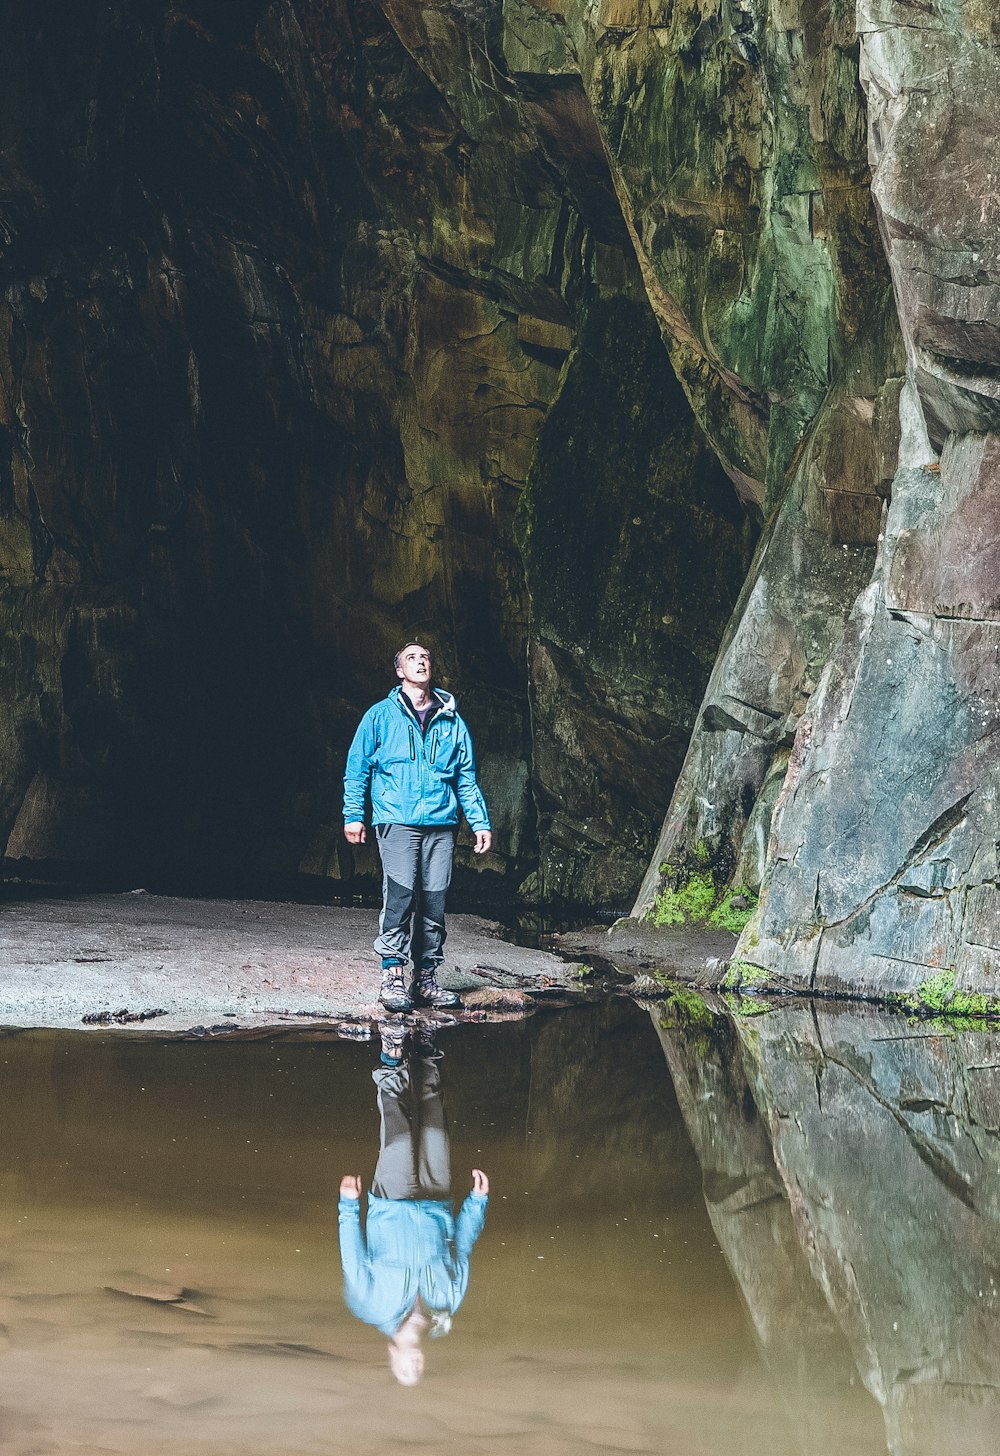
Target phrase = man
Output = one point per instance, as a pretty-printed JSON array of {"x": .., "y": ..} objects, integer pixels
[{"x": 413, "y": 753}]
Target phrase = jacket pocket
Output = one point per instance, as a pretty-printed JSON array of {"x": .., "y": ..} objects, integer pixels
[{"x": 441, "y": 749}]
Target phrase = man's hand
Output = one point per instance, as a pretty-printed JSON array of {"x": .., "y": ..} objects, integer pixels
[
  {"x": 350, "y": 1187},
  {"x": 480, "y": 1182},
  {"x": 355, "y": 832},
  {"x": 484, "y": 841}
]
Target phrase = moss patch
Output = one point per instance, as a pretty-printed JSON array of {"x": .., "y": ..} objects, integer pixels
[
  {"x": 697, "y": 900},
  {"x": 747, "y": 1006},
  {"x": 939, "y": 997},
  {"x": 746, "y": 974},
  {"x": 727, "y": 916},
  {"x": 691, "y": 902}
]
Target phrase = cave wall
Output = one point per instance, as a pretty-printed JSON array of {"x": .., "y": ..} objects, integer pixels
[
  {"x": 324, "y": 325},
  {"x": 737, "y": 139},
  {"x": 883, "y": 871},
  {"x": 625, "y": 617},
  {"x": 734, "y": 136},
  {"x": 287, "y": 293}
]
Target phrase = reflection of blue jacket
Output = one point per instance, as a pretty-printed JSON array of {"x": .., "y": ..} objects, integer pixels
[
  {"x": 413, "y": 1247},
  {"x": 414, "y": 779}
]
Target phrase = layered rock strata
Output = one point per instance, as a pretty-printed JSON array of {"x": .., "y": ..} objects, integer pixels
[{"x": 883, "y": 869}]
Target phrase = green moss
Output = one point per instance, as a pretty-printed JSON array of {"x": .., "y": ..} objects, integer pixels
[
  {"x": 696, "y": 900},
  {"x": 727, "y": 916},
  {"x": 745, "y": 973},
  {"x": 940, "y": 996},
  {"x": 691, "y": 902},
  {"x": 695, "y": 1007}
]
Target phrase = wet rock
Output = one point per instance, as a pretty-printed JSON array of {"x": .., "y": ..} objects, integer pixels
[
  {"x": 156, "y": 1291},
  {"x": 120, "y": 1018},
  {"x": 498, "y": 998},
  {"x": 279, "y": 964},
  {"x": 616, "y": 670},
  {"x": 882, "y": 868},
  {"x": 801, "y": 589}
]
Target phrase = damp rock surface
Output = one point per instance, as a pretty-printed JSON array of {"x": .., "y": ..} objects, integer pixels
[
  {"x": 883, "y": 859},
  {"x": 162, "y": 963}
]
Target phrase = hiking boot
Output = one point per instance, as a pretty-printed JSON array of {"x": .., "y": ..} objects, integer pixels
[
  {"x": 394, "y": 992},
  {"x": 393, "y": 1038},
  {"x": 429, "y": 993}
]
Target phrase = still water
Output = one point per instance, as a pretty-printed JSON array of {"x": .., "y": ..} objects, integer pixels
[{"x": 774, "y": 1235}]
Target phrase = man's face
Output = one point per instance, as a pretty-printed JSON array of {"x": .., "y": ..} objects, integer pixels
[{"x": 414, "y": 667}]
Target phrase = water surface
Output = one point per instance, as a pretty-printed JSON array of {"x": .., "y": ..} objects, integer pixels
[{"x": 700, "y": 1238}]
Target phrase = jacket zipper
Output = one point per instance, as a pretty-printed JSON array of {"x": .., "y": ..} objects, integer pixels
[
  {"x": 434, "y": 745},
  {"x": 413, "y": 747}
]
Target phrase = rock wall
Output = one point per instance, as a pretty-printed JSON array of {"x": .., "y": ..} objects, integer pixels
[
  {"x": 625, "y": 618},
  {"x": 507, "y": 325},
  {"x": 883, "y": 868},
  {"x": 287, "y": 294},
  {"x": 850, "y": 1172},
  {"x": 737, "y": 138}
]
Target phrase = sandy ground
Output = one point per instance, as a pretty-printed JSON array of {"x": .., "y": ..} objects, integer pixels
[{"x": 222, "y": 963}]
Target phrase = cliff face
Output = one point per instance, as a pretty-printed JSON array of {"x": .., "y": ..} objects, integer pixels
[
  {"x": 884, "y": 857},
  {"x": 509, "y": 326}
]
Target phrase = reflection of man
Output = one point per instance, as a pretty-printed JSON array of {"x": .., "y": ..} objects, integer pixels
[
  {"x": 413, "y": 753},
  {"x": 409, "y": 1269}
]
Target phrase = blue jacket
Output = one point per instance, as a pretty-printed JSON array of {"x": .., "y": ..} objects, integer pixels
[
  {"x": 413, "y": 778},
  {"x": 413, "y": 1247}
]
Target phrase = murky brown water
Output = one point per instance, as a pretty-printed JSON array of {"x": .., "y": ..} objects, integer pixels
[{"x": 171, "y": 1278}]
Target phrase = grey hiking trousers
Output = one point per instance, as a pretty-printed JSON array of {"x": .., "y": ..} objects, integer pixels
[
  {"x": 413, "y": 1158},
  {"x": 416, "y": 873}
]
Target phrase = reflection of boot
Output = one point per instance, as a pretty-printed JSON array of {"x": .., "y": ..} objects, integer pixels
[
  {"x": 429, "y": 993},
  {"x": 393, "y": 1038},
  {"x": 423, "y": 1041},
  {"x": 394, "y": 993}
]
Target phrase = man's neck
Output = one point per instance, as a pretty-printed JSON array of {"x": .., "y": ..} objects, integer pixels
[{"x": 419, "y": 697}]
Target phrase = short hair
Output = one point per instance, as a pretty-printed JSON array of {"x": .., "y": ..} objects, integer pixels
[{"x": 423, "y": 648}]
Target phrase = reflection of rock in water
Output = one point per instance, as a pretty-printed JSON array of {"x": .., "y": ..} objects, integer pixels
[
  {"x": 866, "y": 1150},
  {"x": 747, "y": 1202}
]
